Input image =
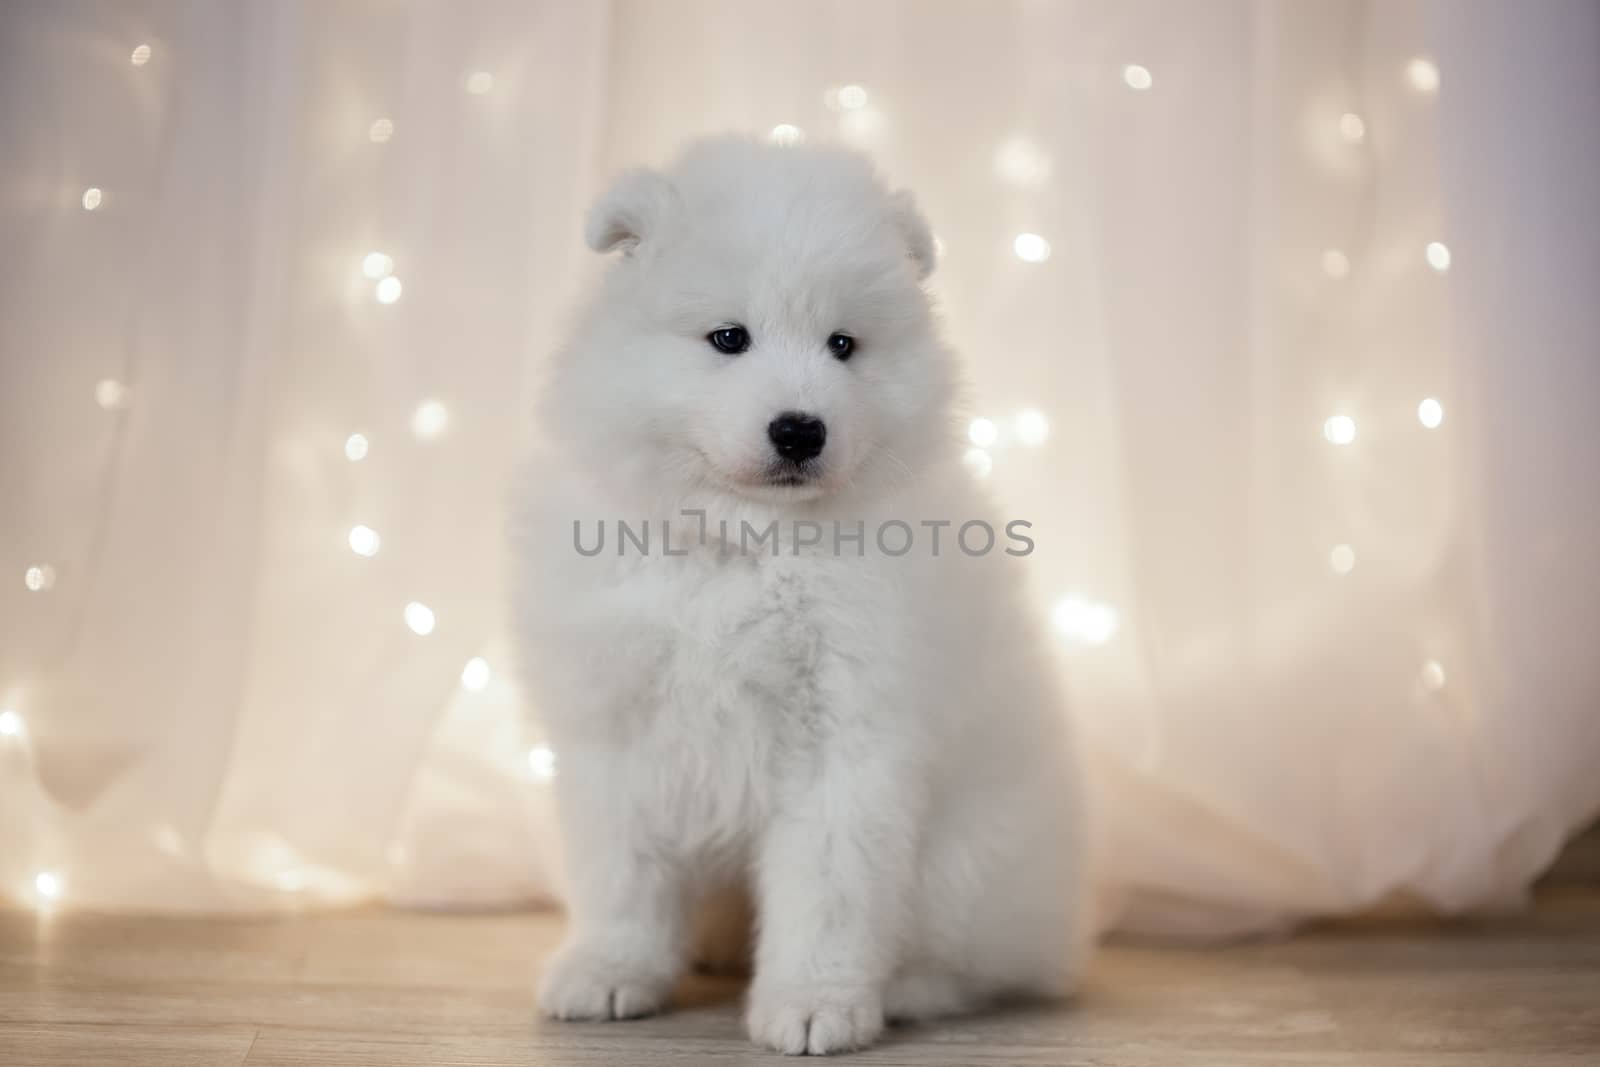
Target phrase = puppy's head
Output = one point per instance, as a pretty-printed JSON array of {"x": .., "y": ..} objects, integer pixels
[{"x": 763, "y": 332}]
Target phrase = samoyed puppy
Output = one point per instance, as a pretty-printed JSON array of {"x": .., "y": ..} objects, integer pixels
[{"x": 795, "y": 666}]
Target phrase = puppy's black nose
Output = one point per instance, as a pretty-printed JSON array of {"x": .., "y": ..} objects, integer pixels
[{"x": 797, "y": 436}]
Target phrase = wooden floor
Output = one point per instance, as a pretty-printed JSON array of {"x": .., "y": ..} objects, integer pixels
[{"x": 389, "y": 989}]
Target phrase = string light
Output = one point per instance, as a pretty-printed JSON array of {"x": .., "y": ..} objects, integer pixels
[
  {"x": 1032, "y": 427},
  {"x": 355, "y": 447},
  {"x": 364, "y": 541},
  {"x": 141, "y": 56},
  {"x": 1352, "y": 127},
  {"x": 1137, "y": 77},
  {"x": 110, "y": 394},
  {"x": 1339, "y": 429},
  {"x": 1085, "y": 621},
  {"x": 1433, "y": 675},
  {"x": 376, "y": 265},
  {"x": 1022, "y": 163},
  {"x": 380, "y": 131},
  {"x": 10, "y": 723},
  {"x": 1335, "y": 264},
  {"x": 475, "y": 675},
  {"x": 1430, "y": 413},
  {"x": 979, "y": 462},
  {"x": 1031, "y": 248},
  {"x": 1423, "y": 75},
  {"x": 92, "y": 197},
  {"x": 429, "y": 420},
  {"x": 48, "y": 885},
  {"x": 542, "y": 762},
  {"x": 983, "y": 433},
  {"x": 419, "y": 617},
  {"x": 852, "y": 98},
  {"x": 785, "y": 134},
  {"x": 1438, "y": 256},
  {"x": 39, "y": 577},
  {"x": 480, "y": 82},
  {"x": 388, "y": 290},
  {"x": 1342, "y": 559}
]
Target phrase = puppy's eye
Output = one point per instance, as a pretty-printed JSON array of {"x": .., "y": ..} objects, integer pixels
[
  {"x": 729, "y": 339},
  {"x": 842, "y": 345}
]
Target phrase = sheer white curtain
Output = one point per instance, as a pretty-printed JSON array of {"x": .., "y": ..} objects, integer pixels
[{"x": 1299, "y": 402}]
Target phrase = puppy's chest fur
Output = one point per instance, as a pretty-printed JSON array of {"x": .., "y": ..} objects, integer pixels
[{"x": 734, "y": 666}]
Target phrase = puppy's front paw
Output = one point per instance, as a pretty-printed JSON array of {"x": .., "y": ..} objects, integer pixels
[
  {"x": 581, "y": 983},
  {"x": 815, "y": 1020}
]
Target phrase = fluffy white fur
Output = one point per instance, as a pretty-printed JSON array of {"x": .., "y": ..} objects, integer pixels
[{"x": 872, "y": 746}]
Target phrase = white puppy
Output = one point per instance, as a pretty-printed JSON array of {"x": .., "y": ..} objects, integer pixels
[{"x": 800, "y": 670}]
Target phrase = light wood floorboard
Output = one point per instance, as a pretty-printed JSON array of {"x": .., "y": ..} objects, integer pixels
[{"x": 392, "y": 989}]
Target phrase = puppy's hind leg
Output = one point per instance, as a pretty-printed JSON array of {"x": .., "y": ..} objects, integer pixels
[
  {"x": 999, "y": 916},
  {"x": 1027, "y": 952},
  {"x": 917, "y": 994}
]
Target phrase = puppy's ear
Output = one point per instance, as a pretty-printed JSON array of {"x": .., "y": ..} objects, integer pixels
[
  {"x": 631, "y": 211},
  {"x": 914, "y": 229}
]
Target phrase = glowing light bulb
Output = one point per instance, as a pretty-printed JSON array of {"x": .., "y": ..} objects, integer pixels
[
  {"x": 1342, "y": 559},
  {"x": 10, "y": 723},
  {"x": 480, "y": 82},
  {"x": 1085, "y": 621},
  {"x": 140, "y": 56},
  {"x": 420, "y": 618},
  {"x": 110, "y": 394},
  {"x": 1438, "y": 256},
  {"x": 380, "y": 131},
  {"x": 364, "y": 541},
  {"x": 1430, "y": 413},
  {"x": 388, "y": 290},
  {"x": 1335, "y": 264},
  {"x": 47, "y": 884},
  {"x": 429, "y": 420},
  {"x": 983, "y": 433},
  {"x": 1339, "y": 429},
  {"x": 979, "y": 462},
  {"x": 1433, "y": 675},
  {"x": 1031, "y": 248},
  {"x": 475, "y": 675},
  {"x": 92, "y": 197},
  {"x": 355, "y": 447},
  {"x": 542, "y": 762},
  {"x": 376, "y": 265},
  {"x": 785, "y": 134},
  {"x": 1032, "y": 427},
  {"x": 39, "y": 577},
  {"x": 1022, "y": 163},
  {"x": 1352, "y": 127},
  {"x": 1137, "y": 77},
  {"x": 852, "y": 98},
  {"x": 1423, "y": 75}
]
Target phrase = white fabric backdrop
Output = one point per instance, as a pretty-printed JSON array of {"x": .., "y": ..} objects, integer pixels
[{"x": 1311, "y": 675}]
